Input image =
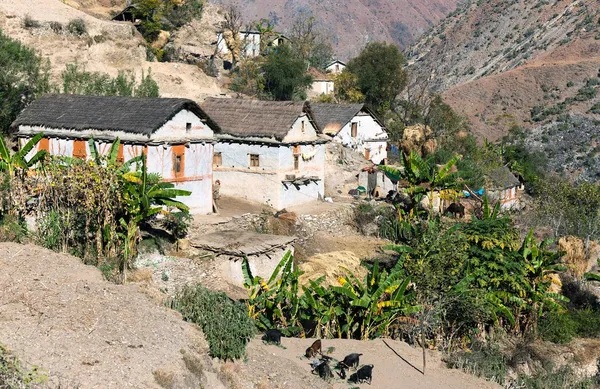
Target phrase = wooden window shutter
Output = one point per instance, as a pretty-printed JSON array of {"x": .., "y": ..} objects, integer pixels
[
  {"x": 254, "y": 160},
  {"x": 217, "y": 159},
  {"x": 79, "y": 150},
  {"x": 354, "y": 130},
  {"x": 368, "y": 154},
  {"x": 120, "y": 156},
  {"x": 44, "y": 144},
  {"x": 178, "y": 160}
]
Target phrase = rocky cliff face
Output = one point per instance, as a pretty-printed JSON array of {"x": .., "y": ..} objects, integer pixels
[
  {"x": 504, "y": 63},
  {"x": 351, "y": 24}
]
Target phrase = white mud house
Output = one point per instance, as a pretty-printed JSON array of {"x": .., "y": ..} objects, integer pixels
[
  {"x": 355, "y": 127},
  {"x": 267, "y": 151},
  {"x": 251, "y": 42},
  {"x": 335, "y": 67},
  {"x": 175, "y": 134}
]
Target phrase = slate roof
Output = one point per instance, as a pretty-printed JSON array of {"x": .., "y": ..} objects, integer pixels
[
  {"x": 502, "y": 178},
  {"x": 256, "y": 118},
  {"x": 142, "y": 116}
]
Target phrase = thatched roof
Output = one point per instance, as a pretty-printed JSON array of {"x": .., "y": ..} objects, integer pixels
[
  {"x": 333, "y": 117},
  {"x": 256, "y": 118},
  {"x": 501, "y": 178},
  {"x": 141, "y": 116}
]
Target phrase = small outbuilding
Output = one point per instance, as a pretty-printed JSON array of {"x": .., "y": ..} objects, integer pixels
[
  {"x": 502, "y": 185},
  {"x": 355, "y": 127},
  {"x": 267, "y": 151},
  {"x": 264, "y": 252},
  {"x": 322, "y": 84},
  {"x": 175, "y": 135}
]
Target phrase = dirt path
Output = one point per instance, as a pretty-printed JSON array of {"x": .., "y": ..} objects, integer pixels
[
  {"x": 396, "y": 365},
  {"x": 85, "y": 332}
]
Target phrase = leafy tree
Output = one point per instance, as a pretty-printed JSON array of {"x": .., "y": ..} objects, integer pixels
[
  {"x": 309, "y": 41},
  {"x": 284, "y": 75},
  {"x": 321, "y": 55},
  {"x": 380, "y": 74},
  {"x": 346, "y": 89},
  {"x": 23, "y": 78}
]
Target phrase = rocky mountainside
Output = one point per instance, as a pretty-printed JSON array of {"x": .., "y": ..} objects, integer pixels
[
  {"x": 107, "y": 46},
  {"x": 351, "y": 24},
  {"x": 506, "y": 63}
]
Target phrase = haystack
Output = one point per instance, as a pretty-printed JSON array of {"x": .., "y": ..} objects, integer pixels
[
  {"x": 331, "y": 266},
  {"x": 418, "y": 138},
  {"x": 575, "y": 257}
]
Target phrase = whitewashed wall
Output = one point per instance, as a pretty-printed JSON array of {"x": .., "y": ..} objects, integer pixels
[
  {"x": 197, "y": 176},
  {"x": 369, "y": 135},
  {"x": 251, "y": 44},
  {"x": 321, "y": 87},
  {"x": 264, "y": 184},
  {"x": 298, "y": 133}
]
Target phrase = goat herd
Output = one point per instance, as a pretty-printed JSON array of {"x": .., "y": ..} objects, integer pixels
[{"x": 320, "y": 366}]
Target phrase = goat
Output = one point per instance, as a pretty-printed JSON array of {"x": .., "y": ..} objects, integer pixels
[
  {"x": 457, "y": 210},
  {"x": 314, "y": 349},
  {"x": 272, "y": 336},
  {"x": 350, "y": 361},
  {"x": 364, "y": 374}
]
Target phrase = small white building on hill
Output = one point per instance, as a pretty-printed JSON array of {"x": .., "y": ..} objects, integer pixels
[
  {"x": 335, "y": 66},
  {"x": 175, "y": 135},
  {"x": 267, "y": 151},
  {"x": 355, "y": 127}
]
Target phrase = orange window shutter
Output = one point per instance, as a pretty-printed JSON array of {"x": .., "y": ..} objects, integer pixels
[
  {"x": 44, "y": 144},
  {"x": 79, "y": 149},
  {"x": 178, "y": 160},
  {"x": 120, "y": 156}
]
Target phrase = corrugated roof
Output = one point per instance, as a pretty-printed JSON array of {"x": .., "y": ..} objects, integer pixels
[
  {"x": 331, "y": 118},
  {"x": 501, "y": 178},
  {"x": 113, "y": 113},
  {"x": 256, "y": 118}
]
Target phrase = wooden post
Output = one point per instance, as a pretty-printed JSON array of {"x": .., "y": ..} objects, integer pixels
[{"x": 423, "y": 345}]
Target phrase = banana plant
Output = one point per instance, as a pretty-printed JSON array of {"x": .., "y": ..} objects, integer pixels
[
  {"x": 18, "y": 160},
  {"x": 145, "y": 196},
  {"x": 274, "y": 302},
  {"x": 111, "y": 157}
]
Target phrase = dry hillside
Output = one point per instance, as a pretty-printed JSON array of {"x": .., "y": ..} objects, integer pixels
[
  {"x": 108, "y": 46},
  {"x": 351, "y": 24},
  {"x": 497, "y": 61}
]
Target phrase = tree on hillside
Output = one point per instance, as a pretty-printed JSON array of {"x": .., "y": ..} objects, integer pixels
[
  {"x": 380, "y": 74},
  {"x": 24, "y": 77},
  {"x": 232, "y": 25},
  {"x": 284, "y": 75},
  {"x": 309, "y": 41}
]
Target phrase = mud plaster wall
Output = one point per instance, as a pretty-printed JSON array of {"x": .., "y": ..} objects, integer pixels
[
  {"x": 369, "y": 135},
  {"x": 262, "y": 265}
]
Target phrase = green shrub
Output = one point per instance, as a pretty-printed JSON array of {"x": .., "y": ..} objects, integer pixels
[
  {"x": 12, "y": 229},
  {"x": 557, "y": 327},
  {"x": 28, "y": 22},
  {"x": 57, "y": 27},
  {"x": 484, "y": 360},
  {"x": 587, "y": 323},
  {"x": 561, "y": 378},
  {"x": 225, "y": 322},
  {"x": 50, "y": 230},
  {"x": 77, "y": 27},
  {"x": 14, "y": 375}
]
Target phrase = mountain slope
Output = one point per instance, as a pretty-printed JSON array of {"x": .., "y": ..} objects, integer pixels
[
  {"x": 506, "y": 63},
  {"x": 351, "y": 24}
]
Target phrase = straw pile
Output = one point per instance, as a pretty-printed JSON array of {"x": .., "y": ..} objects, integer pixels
[
  {"x": 574, "y": 257},
  {"x": 331, "y": 266}
]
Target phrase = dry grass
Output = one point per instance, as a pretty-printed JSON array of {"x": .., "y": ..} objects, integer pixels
[
  {"x": 331, "y": 265},
  {"x": 575, "y": 257},
  {"x": 165, "y": 378}
]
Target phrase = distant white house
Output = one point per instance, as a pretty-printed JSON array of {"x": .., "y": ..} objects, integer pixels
[
  {"x": 251, "y": 41},
  {"x": 355, "y": 127},
  {"x": 267, "y": 151},
  {"x": 322, "y": 83},
  {"x": 502, "y": 185},
  {"x": 336, "y": 66}
]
